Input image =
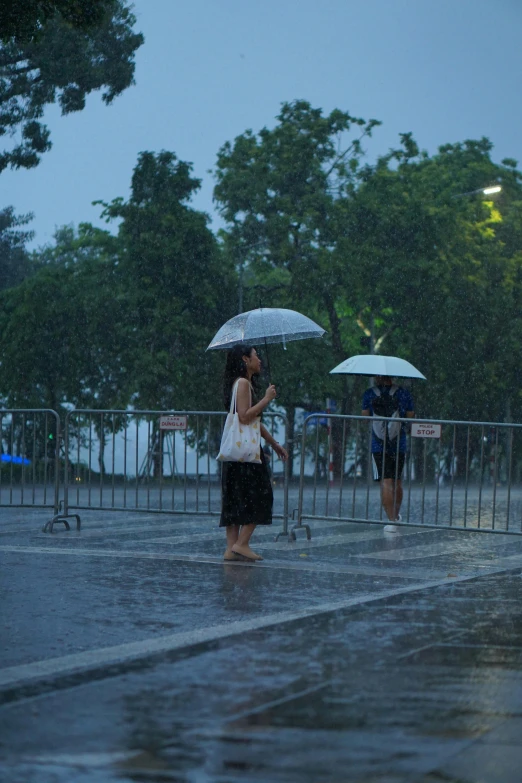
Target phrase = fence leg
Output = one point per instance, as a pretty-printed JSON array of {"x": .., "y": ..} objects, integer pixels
[
  {"x": 299, "y": 509},
  {"x": 48, "y": 527},
  {"x": 59, "y": 515},
  {"x": 284, "y": 531},
  {"x": 299, "y": 526}
]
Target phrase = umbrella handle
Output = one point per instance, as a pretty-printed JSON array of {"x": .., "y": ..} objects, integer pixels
[{"x": 268, "y": 363}]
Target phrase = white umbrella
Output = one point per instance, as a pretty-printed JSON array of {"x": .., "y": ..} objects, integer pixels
[
  {"x": 269, "y": 324},
  {"x": 375, "y": 364}
]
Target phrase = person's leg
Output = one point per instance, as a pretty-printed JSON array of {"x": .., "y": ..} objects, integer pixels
[
  {"x": 392, "y": 495},
  {"x": 241, "y": 547},
  {"x": 387, "y": 497},
  {"x": 398, "y": 497},
  {"x": 232, "y": 536},
  {"x": 245, "y": 534},
  {"x": 391, "y": 489},
  {"x": 397, "y": 467}
]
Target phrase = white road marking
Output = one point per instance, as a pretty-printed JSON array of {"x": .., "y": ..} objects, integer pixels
[
  {"x": 66, "y": 665},
  {"x": 372, "y": 570},
  {"x": 263, "y": 539},
  {"x": 88, "y": 759},
  {"x": 338, "y": 538},
  {"x": 455, "y": 546},
  {"x": 118, "y": 531}
]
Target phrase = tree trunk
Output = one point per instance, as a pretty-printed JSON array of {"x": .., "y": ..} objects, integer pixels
[{"x": 335, "y": 327}]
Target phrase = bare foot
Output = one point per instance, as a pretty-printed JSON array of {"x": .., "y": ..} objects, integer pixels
[
  {"x": 229, "y": 555},
  {"x": 245, "y": 551}
]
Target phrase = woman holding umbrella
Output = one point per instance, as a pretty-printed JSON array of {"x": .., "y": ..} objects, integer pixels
[
  {"x": 246, "y": 487},
  {"x": 247, "y": 496}
]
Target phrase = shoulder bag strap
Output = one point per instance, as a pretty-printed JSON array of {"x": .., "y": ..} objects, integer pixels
[
  {"x": 234, "y": 397},
  {"x": 233, "y": 401}
]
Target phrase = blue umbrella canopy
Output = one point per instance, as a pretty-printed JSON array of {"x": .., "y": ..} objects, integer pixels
[{"x": 375, "y": 364}]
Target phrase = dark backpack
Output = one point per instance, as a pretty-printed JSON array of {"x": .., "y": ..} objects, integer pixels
[{"x": 386, "y": 405}]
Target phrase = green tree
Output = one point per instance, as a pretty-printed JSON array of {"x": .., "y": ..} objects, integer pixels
[
  {"x": 39, "y": 360},
  {"x": 64, "y": 62},
  {"x": 98, "y": 312},
  {"x": 15, "y": 263},
  {"x": 62, "y": 330},
  {"x": 25, "y": 20},
  {"x": 60, "y": 340},
  {"x": 178, "y": 287}
]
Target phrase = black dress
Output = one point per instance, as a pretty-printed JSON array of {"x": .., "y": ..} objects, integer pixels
[
  {"x": 246, "y": 493},
  {"x": 247, "y": 496}
]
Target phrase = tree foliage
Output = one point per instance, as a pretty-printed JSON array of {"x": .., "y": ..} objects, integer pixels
[
  {"x": 60, "y": 328},
  {"x": 15, "y": 263},
  {"x": 109, "y": 321},
  {"x": 25, "y": 20},
  {"x": 64, "y": 62},
  {"x": 178, "y": 288}
]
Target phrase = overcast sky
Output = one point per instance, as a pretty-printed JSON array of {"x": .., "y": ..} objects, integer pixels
[{"x": 447, "y": 70}]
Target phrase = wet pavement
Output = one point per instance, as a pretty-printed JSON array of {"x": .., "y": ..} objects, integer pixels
[{"x": 131, "y": 652}]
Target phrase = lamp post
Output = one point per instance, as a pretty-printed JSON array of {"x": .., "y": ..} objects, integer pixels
[{"x": 487, "y": 191}]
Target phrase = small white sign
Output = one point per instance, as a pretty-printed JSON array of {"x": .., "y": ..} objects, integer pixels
[
  {"x": 173, "y": 422},
  {"x": 426, "y": 430}
]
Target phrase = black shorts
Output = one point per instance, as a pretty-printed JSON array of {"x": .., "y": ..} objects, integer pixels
[{"x": 391, "y": 470}]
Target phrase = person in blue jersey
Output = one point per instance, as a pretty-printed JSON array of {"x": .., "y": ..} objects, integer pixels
[{"x": 389, "y": 440}]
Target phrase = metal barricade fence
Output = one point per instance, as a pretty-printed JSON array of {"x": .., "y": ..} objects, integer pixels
[
  {"x": 155, "y": 461},
  {"x": 459, "y": 475},
  {"x": 30, "y": 458}
]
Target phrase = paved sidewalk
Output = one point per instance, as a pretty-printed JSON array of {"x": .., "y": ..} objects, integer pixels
[{"x": 132, "y": 652}]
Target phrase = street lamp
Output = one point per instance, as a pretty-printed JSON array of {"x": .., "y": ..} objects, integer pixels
[{"x": 488, "y": 191}]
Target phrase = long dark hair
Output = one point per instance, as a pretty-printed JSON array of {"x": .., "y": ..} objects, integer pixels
[{"x": 235, "y": 368}]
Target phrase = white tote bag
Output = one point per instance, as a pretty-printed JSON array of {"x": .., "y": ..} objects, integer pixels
[{"x": 240, "y": 442}]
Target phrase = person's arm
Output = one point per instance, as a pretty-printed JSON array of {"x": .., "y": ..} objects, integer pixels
[
  {"x": 365, "y": 412},
  {"x": 246, "y": 411},
  {"x": 279, "y": 450}
]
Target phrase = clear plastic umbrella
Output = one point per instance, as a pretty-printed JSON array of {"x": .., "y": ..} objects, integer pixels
[
  {"x": 375, "y": 364},
  {"x": 267, "y": 325}
]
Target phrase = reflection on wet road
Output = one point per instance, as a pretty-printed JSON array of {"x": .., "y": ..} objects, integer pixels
[{"x": 131, "y": 652}]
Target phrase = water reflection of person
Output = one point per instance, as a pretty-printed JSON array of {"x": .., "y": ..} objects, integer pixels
[
  {"x": 240, "y": 589},
  {"x": 247, "y": 496}
]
